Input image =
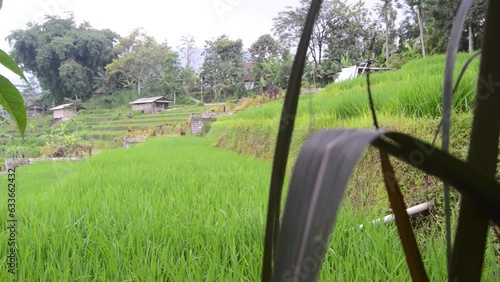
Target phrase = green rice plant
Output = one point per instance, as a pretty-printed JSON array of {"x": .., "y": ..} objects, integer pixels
[
  {"x": 413, "y": 91},
  {"x": 177, "y": 209}
]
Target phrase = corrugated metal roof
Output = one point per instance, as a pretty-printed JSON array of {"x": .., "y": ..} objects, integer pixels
[
  {"x": 148, "y": 100},
  {"x": 60, "y": 107},
  {"x": 34, "y": 107}
]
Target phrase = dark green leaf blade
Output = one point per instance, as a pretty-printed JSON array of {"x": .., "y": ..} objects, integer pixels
[
  {"x": 13, "y": 103},
  {"x": 323, "y": 167},
  {"x": 472, "y": 230},
  {"x": 405, "y": 231},
  {"x": 10, "y": 64},
  {"x": 283, "y": 143},
  {"x": 452, "y": 49}
]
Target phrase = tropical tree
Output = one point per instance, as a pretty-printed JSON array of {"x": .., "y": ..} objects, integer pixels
[
  {"x": 187, "y": 50},
  {"x": 340, "y": 29},
  {"x": 287, "y": 26},
  {"x": 223, "y": 66},
  {"x": 416, "y": 7},
  {"x": 170, "y": 82},
  {"x": 264, "y": 48},
  {"x": 349, "y": 34},
  {"x": 440, "y": 19},
  {"x": 188, "y": 54},
  {"x": 64, "y": 57},
  {"x": 140, "y": 60},
  {"x": 408, "y": 31},
  {"x": 387, "y": 14},
  {"x": 264, "y": 60}
]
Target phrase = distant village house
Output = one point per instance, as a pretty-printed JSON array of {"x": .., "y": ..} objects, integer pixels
[
  {"x": 34, "y": 110},
  {"x": 98, "y": 92},
  {"x": 65, "y": 111},
  {"x": 150, "y": 105}
]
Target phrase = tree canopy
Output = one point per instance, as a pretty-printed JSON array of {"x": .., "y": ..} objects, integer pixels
[
  {"x": 140, "y": 60},
  {"x": 223, "y": 66},
  {"x": 63, "y": 56}
]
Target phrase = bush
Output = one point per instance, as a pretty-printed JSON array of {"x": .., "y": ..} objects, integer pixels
[
  {"x": 185, "y": 101},
  {"x": 114, "y": 100}
]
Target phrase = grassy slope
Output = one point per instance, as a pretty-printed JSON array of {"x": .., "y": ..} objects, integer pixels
[
  {"x": 407, "y": 100},
  {"x": 410, "y": 93},
  {"x": 175, "y": 209}
]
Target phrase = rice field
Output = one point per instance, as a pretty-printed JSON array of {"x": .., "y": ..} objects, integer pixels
[
  {"x": 101, "y": 128},
  {"x": 413, "y": 91},
  {"x": 177, "y": 209}
]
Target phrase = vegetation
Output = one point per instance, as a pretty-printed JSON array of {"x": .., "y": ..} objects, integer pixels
[
  {"x": 64, "y": 57},
  {"x": 107, "y": 231},
  {"x": 223, "y": 66},
  {"x": 403, "y": 97},
  {"x": 139, "y": 62},
  {"x": 162, "y": 210},
  {"x": 57, "y": 53},
  {"x": 295, "y": 241},
  {"x": 92, "y": 128}
]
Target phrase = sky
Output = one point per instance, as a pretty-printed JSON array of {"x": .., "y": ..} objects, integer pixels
[{"x": 165, "y": 20}]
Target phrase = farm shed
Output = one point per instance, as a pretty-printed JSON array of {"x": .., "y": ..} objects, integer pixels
[
  {"x": 65, "y": 111},
  {"x": 355, "y": 71},
  {"x": 150, "y": 105},
  {"x": 34, "y": 110}
]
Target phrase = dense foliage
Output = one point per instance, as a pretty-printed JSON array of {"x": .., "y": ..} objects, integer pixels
[{"x": 64, "y": 56}]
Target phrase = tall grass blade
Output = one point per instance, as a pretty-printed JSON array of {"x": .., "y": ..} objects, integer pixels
[
  {"x": 478, "y": 189},
  {"x": 410, "y": 247},
  {"x": 283, "y": 142},
  {"x": 451, "y": 56},
  {"x": 455, "y": 88},
  {"x": 470, "y": 240}
]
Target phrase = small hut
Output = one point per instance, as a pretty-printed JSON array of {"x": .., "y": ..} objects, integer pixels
[
  {"x": 150, "y": 105},
  {"x": 34, "y": 110},
  {"x": 97, "y": 93},
  {"x": 65, "y": 111}
]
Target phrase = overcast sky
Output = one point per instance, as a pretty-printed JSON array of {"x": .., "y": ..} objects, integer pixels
[{"x": 165, "y": 20}]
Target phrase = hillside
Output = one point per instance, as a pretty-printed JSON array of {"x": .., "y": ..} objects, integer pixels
[
  {"x": 409, "y": 95},
  {"x": 178, "y": 209},
  {"x": 407, "y": 100},
  {"x": 99, "y": 128}
]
